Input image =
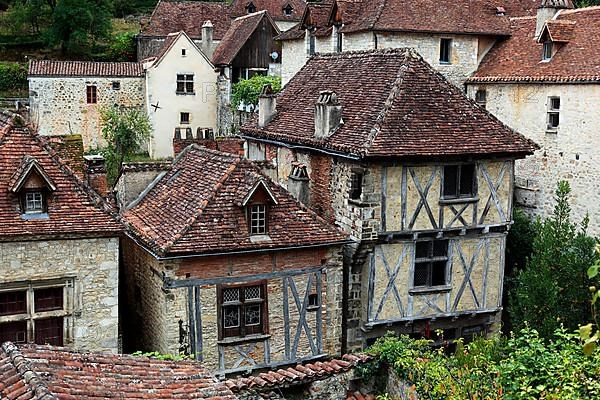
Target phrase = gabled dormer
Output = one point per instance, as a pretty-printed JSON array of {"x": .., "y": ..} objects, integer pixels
[
  {"x": 32, "y": 186},
  {"x": 250, "y": 8},
  {"x": 257, "y": 204},
  {"x": 554, "y": 35},
  {"x": 288, "y": 10}
]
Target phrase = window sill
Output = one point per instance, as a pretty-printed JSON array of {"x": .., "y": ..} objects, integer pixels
[
  {"x": 244, "y": 339},
  {"x": 260, "y": 238},
  {"x": 31, "y": 216},
  {"x": 185, "y": 93},
  {"x": 552, "y": 131},
  {"x": 445, "y": 63},
  {"x": 460, "y": 200},
  {"x": 430, "y": 290}
]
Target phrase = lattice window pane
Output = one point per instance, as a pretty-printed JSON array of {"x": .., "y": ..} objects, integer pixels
[
  {"x": 421, "y": 274},
  {"x": 438, "y": 273},
  {"x": 15, "y": 332},
  {"x": 49, "y": 331},
  {"x": 252, "y": 314},
  {"x": 422, "y": 249},
  {"x": 34, "y": 202},
  {"x": 13, "y": 303},
  {"x": 231, "y": 317},
  {"x": 252, "y": 293},
  {"x": 258, "y": 219},
  {"x": 48, "y": 299},
  {"x": 440, "y": 248},
  {"x": 231, "y": 295}
]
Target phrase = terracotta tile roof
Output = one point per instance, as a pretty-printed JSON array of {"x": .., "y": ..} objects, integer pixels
[
  {"x": 394, "y": 104},
  {"x": 188, "y": 16},
  {"x": 274, "y": 8},
  {"x": 238, "y": 34},
  {"x": 84, "y": 68},
  {"x": 73, "y": 208},
  {"x": 518, "y": 59},
  {"x": 55, "y": 373},
  {"x": 297, "y": 375},
  {"x": 196, "y": 208},
  {"x": 560, "y": 31},
  {"x": 458, "y": 16}
]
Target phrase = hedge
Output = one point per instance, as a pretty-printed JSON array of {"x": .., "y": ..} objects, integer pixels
[{"x": 13, "y": 76}]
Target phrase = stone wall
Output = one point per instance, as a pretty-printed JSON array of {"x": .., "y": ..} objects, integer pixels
[
  {"x": 135, "y": 178},
  {"x": 567, "y": 153},
  {"x": 59, "y": 104},
  {"x": 92, "y": 306}
]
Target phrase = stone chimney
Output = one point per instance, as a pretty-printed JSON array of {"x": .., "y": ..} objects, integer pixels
[
  {"x": 328, "y": 114},
  {"x": 267, "y": 106},
  {"x": 95, "y": 173},
  {"x": 207, "y": 38},
  {"x": 298, "y": 183},
  {"x": 547, "y": 10}
]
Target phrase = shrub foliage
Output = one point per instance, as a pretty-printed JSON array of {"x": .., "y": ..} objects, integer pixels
[
  {"x": 248, "y": 90},
  {"x": 13, "y": 76}
]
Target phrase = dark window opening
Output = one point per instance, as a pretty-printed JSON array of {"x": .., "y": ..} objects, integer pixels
[
  {"x": 258, "y": 219},
  {"x": 15, "y": 332},
  {"x": 445, "y": 51},
  {"x": 481, "y": 97},
  {"x": 459, "y": 181},
  {"x": 553, "y": 112},
  {"x": 184, "y": 118},
  {"x": 339, "y": 42},
  {"x": 92, "y": 94},
  {"x": 311, "y": 44},
  {"x": 116, "y": 85},
  {"x": 547, "y": 51},
  {"x": 48, "y": 299},
  {"x": 251, "y": 8},
  {"x": 288, "y": 10},
  {"x": 313, "y": 301},
  {"x": 185, "y": 84},
  {"x": 49, "y": 331},
  {"x": 183, "y": 52},
  {"x": 12, "y": 303},
  {"x": 356, "y": 183},
  {"x": 242, "y": 310},
  {"x": 431, "y": 258}
]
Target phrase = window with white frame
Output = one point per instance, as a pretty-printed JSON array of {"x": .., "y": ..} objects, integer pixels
[
  {"x": 185, "y": 83},
  {"x": 35, "y": 313},
  {"x": 33, "y": 202},
  {"x": 547, "y": 51},
  {"x": 553, "y": 113},
  {"x": 258, "y": 219}
]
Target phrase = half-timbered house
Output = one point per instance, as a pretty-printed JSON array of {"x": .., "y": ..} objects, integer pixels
[
  {"x": 224, "y": 264},
  {"x": 384, "y": 146}
]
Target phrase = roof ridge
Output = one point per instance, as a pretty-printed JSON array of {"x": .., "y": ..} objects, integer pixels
[
  {"x": 24, "y": 369},
  {"x": 254, "y": 14},
  {"x": 217, "y": 187},
  {"x": 389, "y": 102},
  {"x": 583, "y": 9},
  {"x": 382, "y": 6}
]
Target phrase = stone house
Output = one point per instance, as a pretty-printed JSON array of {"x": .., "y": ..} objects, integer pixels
[
  {"x": 181, "y": 93},
  {"x": 189, "y": 16},
  {"x": 66, "y": 96},
  {"x": 59, "y": 246},
  {"x": 384, "y": 146},
  {"x": 545, "y": 82},
  {"x": 223, "y": 264},
  {"x": 453, "y": 38}
]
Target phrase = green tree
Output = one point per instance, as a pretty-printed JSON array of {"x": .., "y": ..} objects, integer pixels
[
  {"x": 586, "y": 3},
  {"x": 247, "y": 90},
  {"x": 553, "y": 287},
  {"x": 78, "y": 24},
  {"x": 125, "y": 132},
  {"x": 26, "y": 17}
]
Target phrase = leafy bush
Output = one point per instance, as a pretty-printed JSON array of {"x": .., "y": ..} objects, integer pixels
[
  {"x": 13, "y": 76},
  {"x": 248, "y": 90},
  {"x": 524, "y": 366},
  {"x": 553, "y": 288},
  {"x": 122, "y": 47}
]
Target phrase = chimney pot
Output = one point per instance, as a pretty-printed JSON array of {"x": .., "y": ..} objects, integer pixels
[
  {"x": 547, "y": 10},
  {"x": 95, "y": 173},
  {"x": 267, "y": 106},
  {"x": 328, "y": 114},
  {"x": 207, "y": 38}
]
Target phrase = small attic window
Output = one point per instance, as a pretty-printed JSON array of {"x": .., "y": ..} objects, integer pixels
[
  {"x": 258, "y": 219},
  {"x": 547, "y": 51},
  {"x": 481, "y": 97},
  {"x": 183, "y": 53},
  {"x": 288, "y": 10},
  {"x": 251, "y": 8},
  {"x": 33, "y": 202}
]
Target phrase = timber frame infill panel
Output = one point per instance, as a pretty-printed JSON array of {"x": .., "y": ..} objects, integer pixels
[
  {"x": 417, "y": 204},
  {"x": 474, "y": 277}
]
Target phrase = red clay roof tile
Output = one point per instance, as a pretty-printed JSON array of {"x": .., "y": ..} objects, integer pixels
[
  {"x": 274, "y": 8},
  {"x": 394, "y": 104},
  {"x": 519, "y": 58},
  {"x": 85, "y": 68}
]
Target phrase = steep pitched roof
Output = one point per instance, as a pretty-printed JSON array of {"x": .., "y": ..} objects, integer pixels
[
  {"x": 458, "y": 16},
  {"x": 85, "y": 68},
  {"x": 196, "y": 208},
  {"x": 189, "y": 16},
  {"x": 394, "y": 104},
  {"x": 519, "y": 58},
  {"x": 73, "y": 207},
  {"x": 238, "y": 34},
  {"x": 274, "y": 8},
  {"x": 52, "y": 373},
  {"x": 169, "y": 42}
]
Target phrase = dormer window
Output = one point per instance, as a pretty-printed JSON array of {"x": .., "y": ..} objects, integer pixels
[
  {"x": 33, "y": 202},
  {"x": 258, "y": 219},
  {"x": 251, "y": 8},
  {"x": 547, "y": 51},
  {"x": 288, "y": 10}
]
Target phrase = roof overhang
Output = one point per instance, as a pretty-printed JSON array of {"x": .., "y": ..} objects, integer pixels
[
  {"x": 259, "y": 183},
  {"x": 20, "y": 176}
]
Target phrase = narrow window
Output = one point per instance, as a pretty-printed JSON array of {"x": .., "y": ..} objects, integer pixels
[
  {"x": 356, "y": 183},
  {"x": 184, "y": 118},
  {"x": 183, "y": 52},
  {"x": 313, "y": 301},
  {"x": 92, "y": 94},
  {"x": 481, "y": 97},
  {"x": 242, "y": 310},
  {"x": 431, "y": 257},
  {"x": 33, "y": 202},
  {"x": 185, "y": 84},
  {"x": 445, "y": 51},
  {"x": 547, "y": 51},
  {"x": 339, "y": 43},
  {"x": 553, "y": 112},
  {"x": 116, "y": 85},
  {"x": 13, "y": 303},
  {"x": 311, "y": 44},
  {"x": 459, "y": 181},
  {"x": 288, "y": 10},
  {"x": 258, "y": 219}
]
